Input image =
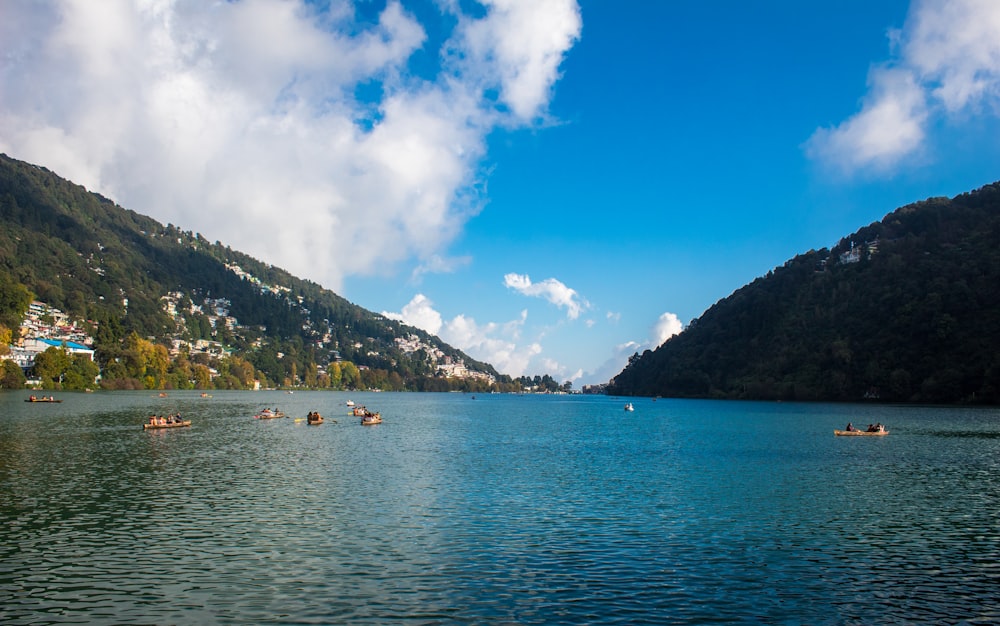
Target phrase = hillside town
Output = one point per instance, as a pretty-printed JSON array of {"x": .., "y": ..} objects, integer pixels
[{"x": 45, "y": 327}]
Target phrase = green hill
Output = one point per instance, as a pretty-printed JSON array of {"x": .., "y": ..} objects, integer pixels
[
  {"x": 904, "y": 310},
  {"x": 85, "y": 255}
]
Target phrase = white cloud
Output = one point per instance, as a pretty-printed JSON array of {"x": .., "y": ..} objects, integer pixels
[
  {"x": 550, "y": 289},
  {"x": 666, "y": 327},
  {"x": 437, "y": 264},
  {"x": 947, "y": 61},
  {"x": 240, "y": 120},
  {"x": 420, "y": 313},
  {"x": 497, "y": 344},
  {"x": 889, "y": 127}
]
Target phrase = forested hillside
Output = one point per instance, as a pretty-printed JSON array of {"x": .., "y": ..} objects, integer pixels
[
  {"x": 904, "y": 310},
  {"x": 96, "y": 261}
]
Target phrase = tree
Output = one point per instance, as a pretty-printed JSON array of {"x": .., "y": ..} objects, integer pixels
[
  {"x": 351, "y": 375},
  {"x": 82, "y": 373},
  {"x": 5, "y": 339},
  {"x": 11, "y": 376},
  {"x": 14, "y": 301},
  {"x": 51, "y": 365}
]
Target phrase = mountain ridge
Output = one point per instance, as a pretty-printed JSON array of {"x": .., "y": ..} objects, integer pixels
[
  {"x": 903, "y": 310},
  {"x": 84, "y": 254}
]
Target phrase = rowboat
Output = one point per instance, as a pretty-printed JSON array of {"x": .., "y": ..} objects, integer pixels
[
  {"x": 371, "y": 418},
  {"x": 860, "y": 433},
  {"x": 170, "y": 425},
  {"x": 43, "y": 400},
  {"x": 314, "y": 418},
  {"x": 269, "y": 415}
]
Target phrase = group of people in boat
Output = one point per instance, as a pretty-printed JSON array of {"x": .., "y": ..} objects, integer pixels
[
  {"x": 35, "y": 398},
  {"x": 313, "y": 416},
  {"x": 361, "y": 411},
  {"x": 872, "y": 428},
  {"x": 161, "y": 420}
]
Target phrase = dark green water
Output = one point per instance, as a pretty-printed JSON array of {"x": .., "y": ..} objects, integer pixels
[{"x": 494, "y": 509}]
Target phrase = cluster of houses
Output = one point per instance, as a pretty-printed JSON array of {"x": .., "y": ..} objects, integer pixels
[
  {"x": 446, "y": 365},
  {"x": 45, "y": 327}
]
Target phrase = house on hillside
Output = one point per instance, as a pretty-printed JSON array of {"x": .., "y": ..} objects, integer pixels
[{"x": 38, "y": 345}]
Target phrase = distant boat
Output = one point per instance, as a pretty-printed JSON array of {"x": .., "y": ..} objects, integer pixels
[
  {"x": 860, "y": 433},
  {"x": 171, "y": 422},
  {"x": 42, "y": 399},
  {"x": 350, "y": 403},
  {"x": 629, "y": 407}
]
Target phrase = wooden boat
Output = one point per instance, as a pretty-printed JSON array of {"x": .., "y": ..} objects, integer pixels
[
  {"x": 52, "y": 400},
  {"x": 314, "y": 418},
  {"x": 860, "y": 433},
  {"x": 269, "y": 415},
  {"x": 148, "y": 426},
  {"x": 371, "y": 418}
]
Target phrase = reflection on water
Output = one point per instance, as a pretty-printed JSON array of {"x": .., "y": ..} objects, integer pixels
[{"x": 499, "y": 509}]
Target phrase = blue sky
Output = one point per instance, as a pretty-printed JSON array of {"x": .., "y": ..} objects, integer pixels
[{"x": 550, "y": 186}]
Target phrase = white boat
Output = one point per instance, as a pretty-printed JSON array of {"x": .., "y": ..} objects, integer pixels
[
  {"x": 350, "y": 403},
  {"x": 629, "y": 407}
]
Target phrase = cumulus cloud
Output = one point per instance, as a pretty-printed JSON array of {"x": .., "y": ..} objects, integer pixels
[
  {"x": 420, "y": 313},
  {"x": 666, "y": 327},
  {"x": 497, "y": 344},
  {"x": 244, "y": 120},
  {"x": 519, "y": 47},
  {"x": 946, "y": 61},
  {"x": 550, "y": 289}
]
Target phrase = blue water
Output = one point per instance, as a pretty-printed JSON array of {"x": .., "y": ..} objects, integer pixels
[{"x": 495, "y": 509}]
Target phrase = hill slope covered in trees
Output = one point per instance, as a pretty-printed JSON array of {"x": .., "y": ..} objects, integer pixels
[
  {"x": 85, "y": 255},
  {"x": 904, "y": 310}
]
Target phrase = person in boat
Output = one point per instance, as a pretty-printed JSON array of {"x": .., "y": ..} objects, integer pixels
[{"x": 850, "y": 427}]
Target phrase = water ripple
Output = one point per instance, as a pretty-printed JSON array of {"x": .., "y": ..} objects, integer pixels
[{"x": 504, "y": 510}]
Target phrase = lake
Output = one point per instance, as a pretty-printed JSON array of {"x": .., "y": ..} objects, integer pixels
[{"x": 494, "y": 509}]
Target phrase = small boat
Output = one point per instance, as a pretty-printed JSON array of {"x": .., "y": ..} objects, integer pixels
[
  {"x": 314, "y": 418},
  {"x": 350, "y": 403},
  {"x": 268, "y": 414},
  {"x": 42, "y": 399},
  {"x": 629, "y": 407},
  {"x": 371, "y": 419},
  {"x": 167, "y": 425},
  {"x": 860, "y": 433}
]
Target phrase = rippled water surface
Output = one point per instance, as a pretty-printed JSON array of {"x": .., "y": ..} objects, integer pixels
[{"x": 494, "y": 509}]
